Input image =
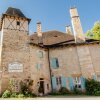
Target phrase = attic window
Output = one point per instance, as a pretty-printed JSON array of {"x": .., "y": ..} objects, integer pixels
[{"x": 18, "y": 23}]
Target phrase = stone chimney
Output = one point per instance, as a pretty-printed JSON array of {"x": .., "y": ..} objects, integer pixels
[
  {"x": 39, "y": 29},
  {"x": 76, "y": 24},
  {"x": 68, "y": 30}
]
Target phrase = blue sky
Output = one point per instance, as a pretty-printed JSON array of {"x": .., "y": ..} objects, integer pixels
[{"x": 54, "y": 14}]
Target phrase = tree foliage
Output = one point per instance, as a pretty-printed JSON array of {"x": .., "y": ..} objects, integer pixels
[{"x": 94, "y": 33}]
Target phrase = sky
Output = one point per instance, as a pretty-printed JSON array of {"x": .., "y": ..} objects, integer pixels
[{"x": 54, "y": 14}]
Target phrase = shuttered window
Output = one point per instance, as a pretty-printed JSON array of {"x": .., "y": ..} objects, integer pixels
[
  {"x": 83, "y": 80},
  {"x": 40, "y": 54},
  {"x": 94, "y": 77},
  {"x": 98, "y": 78},
  {"x": 38, "y": 66},
  {"x": 63, "y": 81},
  {"x": 71, "y": 83},
  {"x": 58, "y": 80},
  {"x": 77, "y": 82},
  {"x": 54, "y": 63},
  {"x": 54, "y": 84}
]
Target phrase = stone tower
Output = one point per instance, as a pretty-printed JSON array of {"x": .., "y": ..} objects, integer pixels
[
  {"x": 76, "y": 24},
  {"x": 14, "y": 48}
]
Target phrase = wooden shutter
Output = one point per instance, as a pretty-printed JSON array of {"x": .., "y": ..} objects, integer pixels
[
  {"x": 63, "y": 81},
  {"x": 95, "y": 77},
  {"x": 54, "y": 83},
  {"x": 71, "y": 83},
  {"x": 54, "y": 62},
  {"x": 82, "y": 82}
]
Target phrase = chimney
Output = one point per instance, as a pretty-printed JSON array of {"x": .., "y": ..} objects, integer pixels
[
  {"x": 76, "y": 24},
  {"x": 39, "y": 29},
  {"x": 68, "y": 30}
]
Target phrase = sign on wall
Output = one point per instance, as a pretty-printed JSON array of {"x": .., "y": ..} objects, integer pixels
[{"x": 15, "y": 67}]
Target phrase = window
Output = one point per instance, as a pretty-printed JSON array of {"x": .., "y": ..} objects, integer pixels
[
  {"x": 77, "y": 82},
  {"x": 54, "y": 62},
  {"x": 58, "y": 80},
  {"x": 98, "y": 78},
  {"x": 40, "y": 54},
  {"x": 18, "y": 23},
  {"x": 38, "y": 66}
]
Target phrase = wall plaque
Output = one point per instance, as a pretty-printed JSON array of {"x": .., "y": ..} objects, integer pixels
[{"x": 15, "y": 67}]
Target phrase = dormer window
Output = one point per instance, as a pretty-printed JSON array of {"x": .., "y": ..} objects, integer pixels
[{"x": 18, "y": 23}]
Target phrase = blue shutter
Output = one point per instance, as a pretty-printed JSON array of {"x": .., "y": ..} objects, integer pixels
[
  {"x": 63, "y": 81},
  {"x": 53, "y": 62},
  {"x": 54, "y": 83},
  {"x": 71, "y": 83},
  {"x": 94, "y": 77},
  {"x": 82, "y": 82}
]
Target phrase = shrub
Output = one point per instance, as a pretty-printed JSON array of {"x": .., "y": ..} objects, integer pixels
[
  {"x": 25, "y": 88},
  {"x": 77, "y": 91},
  {"x": 6, "y": 94},
  {"x": 55, "y": 93},
  {"x": 97, "y": 93},
  {"x": 14, "y": 95},
  {"x": 63, "y": 90},
  {"x": 21, "y": 96},
  {"x": 92, "y": 87}
]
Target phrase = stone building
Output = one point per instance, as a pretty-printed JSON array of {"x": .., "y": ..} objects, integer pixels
[{"x": 51, "y": 59}]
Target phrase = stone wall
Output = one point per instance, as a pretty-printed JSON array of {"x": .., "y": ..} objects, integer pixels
[
  {"x": 39, "y": 67},
  {"x": 95, "y": 56},
  {"x": 15, "y": 50}
]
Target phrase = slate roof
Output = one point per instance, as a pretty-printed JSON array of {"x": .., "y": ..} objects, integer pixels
[{"x": 15, "y": 12}]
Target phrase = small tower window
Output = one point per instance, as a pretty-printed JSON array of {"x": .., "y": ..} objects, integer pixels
[{"x": 18, "y": 23}]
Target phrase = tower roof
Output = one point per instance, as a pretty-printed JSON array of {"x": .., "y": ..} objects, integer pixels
[{"x": 15, "y": 12}]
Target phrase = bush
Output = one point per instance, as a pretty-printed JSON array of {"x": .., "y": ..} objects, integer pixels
[
  {"x": 63, "y": 90},
  {"x": 20, "y": 96},
  {"x": 97, "y": 93},
  {"x": 6, "y": 94},
  {"x": 25, "y": 88},
  {"x": 77, "y": 91},
  {"x": 55, "y": 93},
  {"x": 14, "y": 95},
  {"x": 92, "y": 87}
]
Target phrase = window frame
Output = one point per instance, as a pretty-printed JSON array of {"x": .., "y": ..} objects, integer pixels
[
  {"x": 54, "y": 63},
  {"x": 18, "y": 23},
  {"x": 77, "y": 82}
]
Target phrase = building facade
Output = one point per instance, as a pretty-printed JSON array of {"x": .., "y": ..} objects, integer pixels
[{"x": 51, "y": 59}]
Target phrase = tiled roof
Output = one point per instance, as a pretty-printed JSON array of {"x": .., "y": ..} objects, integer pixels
[
  {"x": 52, "y": 38},
  {"x": 56, "y": 38}
]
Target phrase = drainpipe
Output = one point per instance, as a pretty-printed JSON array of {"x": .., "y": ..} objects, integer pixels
[{"x": 50, "y": 70}]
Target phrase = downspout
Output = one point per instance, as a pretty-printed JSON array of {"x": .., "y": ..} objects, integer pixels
[{"x": 50, "y": 70}]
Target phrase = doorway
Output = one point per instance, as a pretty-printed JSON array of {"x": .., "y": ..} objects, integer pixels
[{"x": 41, "y": 87}]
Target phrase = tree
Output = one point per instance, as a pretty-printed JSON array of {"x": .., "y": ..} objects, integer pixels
[{"x": 94, "y": 33}]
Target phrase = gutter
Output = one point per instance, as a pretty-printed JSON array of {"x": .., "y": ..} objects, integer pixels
[{"x": 50, "y": 70}]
